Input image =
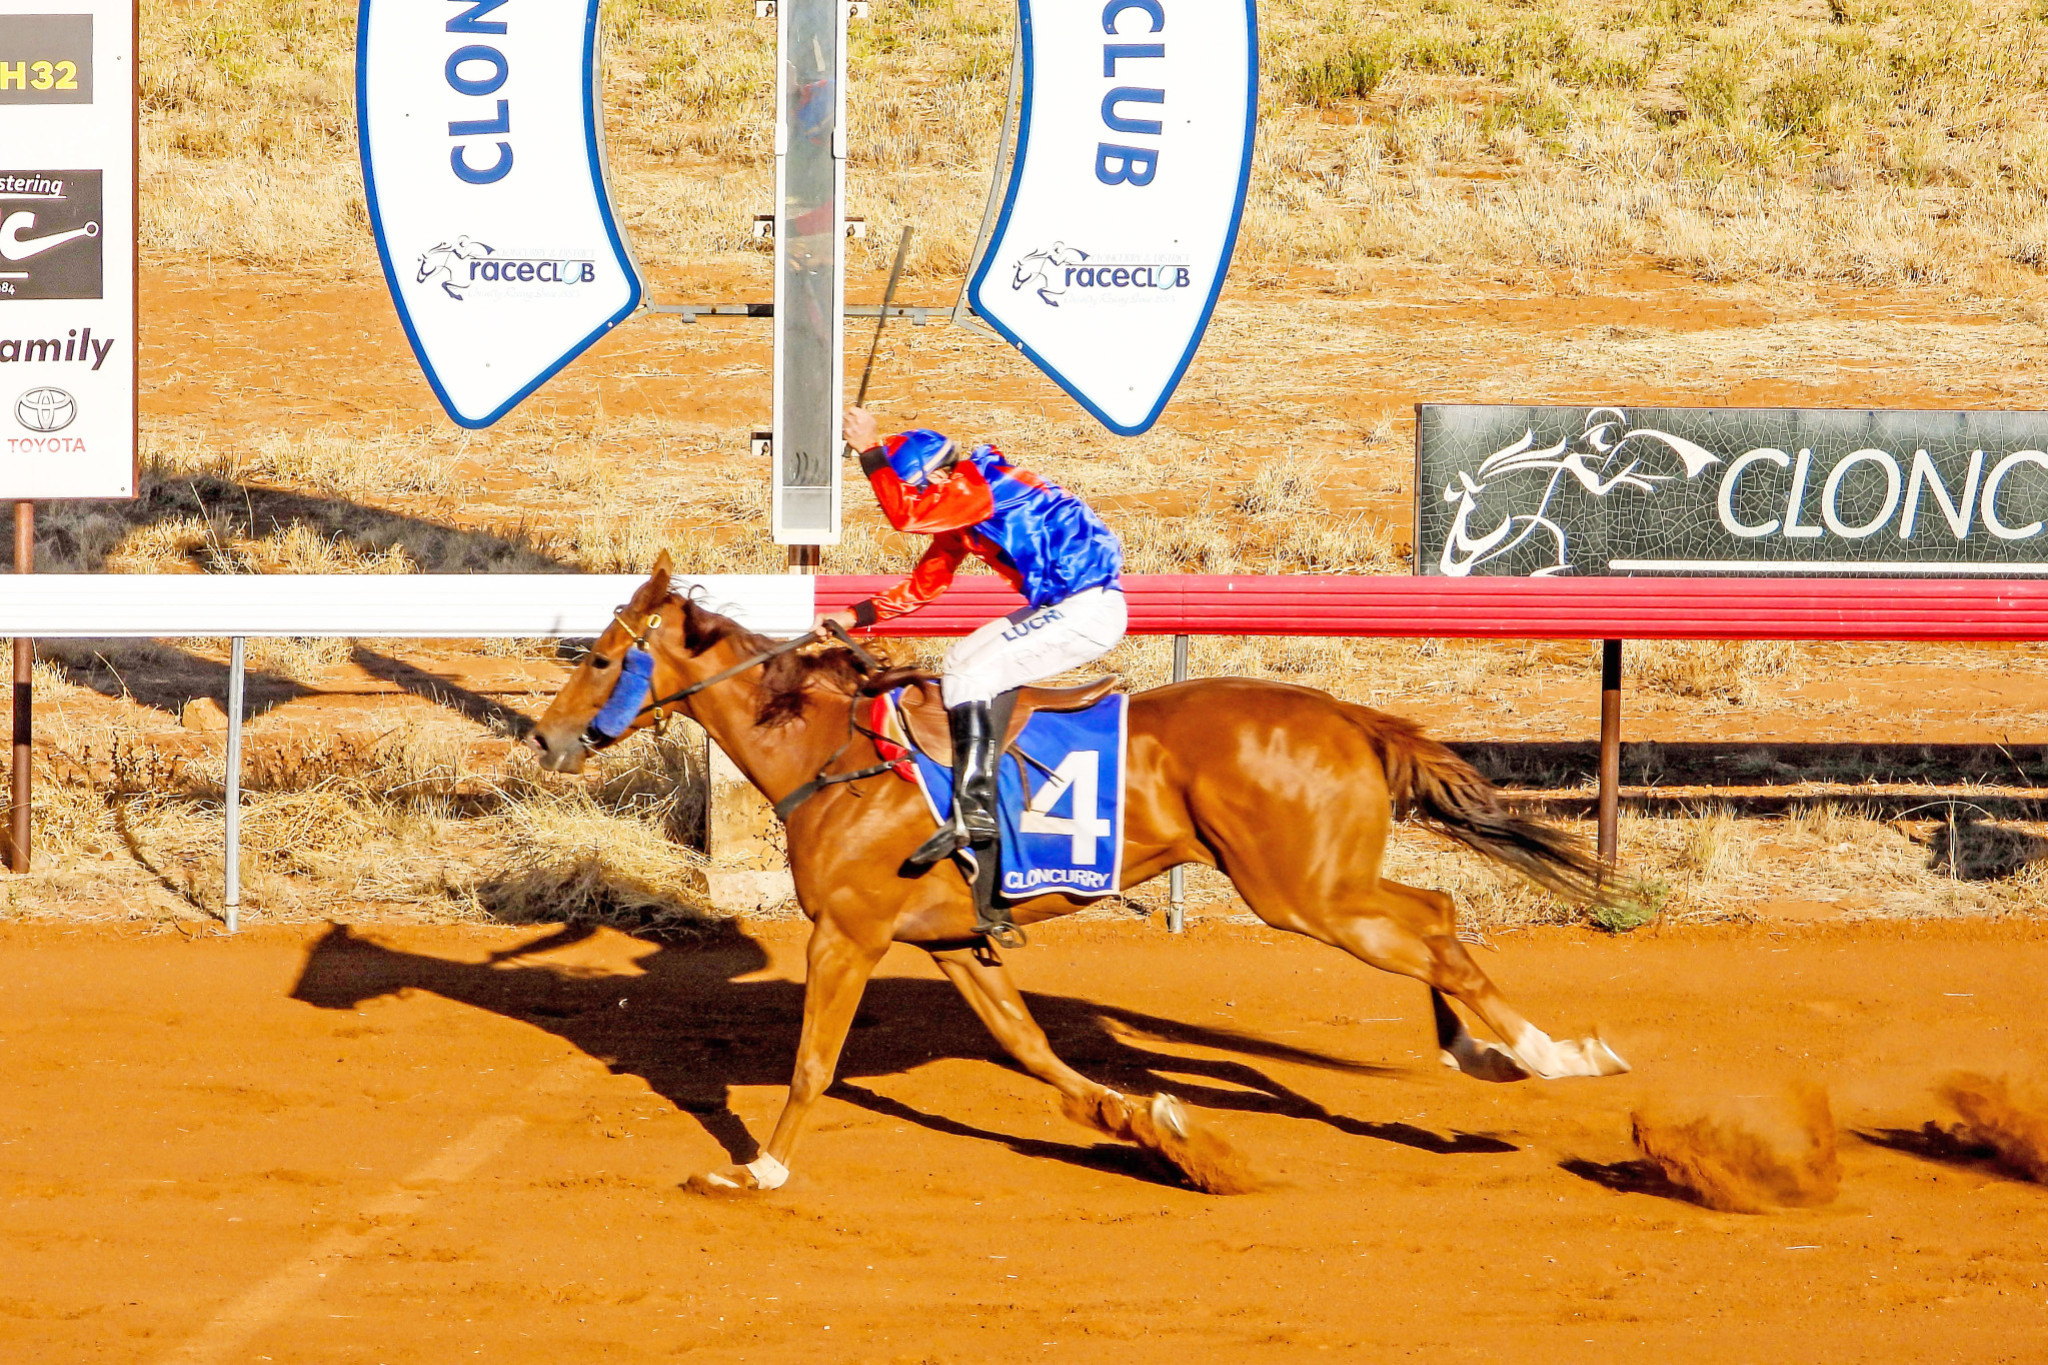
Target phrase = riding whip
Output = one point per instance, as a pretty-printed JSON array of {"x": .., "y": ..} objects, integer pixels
[{"x": 888, "y": 297}]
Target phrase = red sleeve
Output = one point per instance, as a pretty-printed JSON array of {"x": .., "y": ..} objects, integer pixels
[
  {"x": 932, "y": 576},
  {"x": 954, "y": 505}
]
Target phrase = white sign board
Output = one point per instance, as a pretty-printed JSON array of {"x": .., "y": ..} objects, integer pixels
[
  {"x": 1122, "y": 211},
  {"x": 484, "y": 167},
  {"x": 67, "y": 249}
]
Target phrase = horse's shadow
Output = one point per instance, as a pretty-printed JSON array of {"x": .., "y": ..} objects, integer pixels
[{"x": 694, "y": 1026}]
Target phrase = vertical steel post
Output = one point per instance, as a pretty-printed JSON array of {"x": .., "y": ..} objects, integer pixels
[
  {"x": 1610, "y": 753},
  {"x": 24, "y": 700},
  {"x": 232, "y": 864},
  {"x": 1177, "y": 880},
  {"x": 810, "y": 269}
]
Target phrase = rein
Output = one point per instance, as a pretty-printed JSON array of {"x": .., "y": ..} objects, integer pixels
[
  {"x": 867, "y": 661},
  {"x": 783, "y": 808}
]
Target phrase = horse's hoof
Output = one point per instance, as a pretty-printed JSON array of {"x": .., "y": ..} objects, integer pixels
[
  {"x": 1605, "y": 1060},
  {"x": 763, "y": 1173},
  {"x": 727, "y": 1180},
  {"x": 1168, "y": 1114}
]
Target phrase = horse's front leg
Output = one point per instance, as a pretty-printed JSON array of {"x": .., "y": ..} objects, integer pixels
[
  {"x": 837, "y": 970},
  {"x": 1160, "y": 1125}
]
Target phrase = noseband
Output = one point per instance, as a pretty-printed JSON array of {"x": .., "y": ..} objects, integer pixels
[{"x": 595, "y": 739}]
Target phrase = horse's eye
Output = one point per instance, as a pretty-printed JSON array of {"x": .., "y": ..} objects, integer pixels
[{"x": 599, "y": 661}]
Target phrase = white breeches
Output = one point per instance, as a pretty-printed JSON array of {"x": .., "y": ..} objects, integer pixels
[{"x": 1034, "y": 643}]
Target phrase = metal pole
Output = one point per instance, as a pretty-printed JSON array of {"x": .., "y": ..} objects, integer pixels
[
  {"x": 1177, "y": 880},
  {"x": 998, "y": 187},
  {"x": 1610, "y": 752},
  {"x": 24, "y": 700},
  {"x": 233, "y": 864}
]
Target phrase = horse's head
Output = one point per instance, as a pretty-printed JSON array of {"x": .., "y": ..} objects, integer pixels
[
  {"x": 433, "y": 261},
  {"x": 1028, "y": 268},
  {"x": 673, "y": 632}
]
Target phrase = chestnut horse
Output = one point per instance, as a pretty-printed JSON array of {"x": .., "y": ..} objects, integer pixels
[{"x": 1286, "y": 789}]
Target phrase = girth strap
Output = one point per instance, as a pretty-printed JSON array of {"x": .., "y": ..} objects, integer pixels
[{"x": 789, "y": 803}]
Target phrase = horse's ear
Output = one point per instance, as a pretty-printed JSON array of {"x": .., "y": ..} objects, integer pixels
[{"x": 656, "y": 589}]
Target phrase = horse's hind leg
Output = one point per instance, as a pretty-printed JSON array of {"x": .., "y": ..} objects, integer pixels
[
  {"x": 1160, "y": 1125},
  {"x": 1413, "y": 931}
]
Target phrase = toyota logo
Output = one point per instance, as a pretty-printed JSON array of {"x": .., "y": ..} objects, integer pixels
[{"x": 46, "y": 410}]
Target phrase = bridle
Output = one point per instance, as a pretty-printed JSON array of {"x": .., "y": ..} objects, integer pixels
[{"x": 594, "y": 739}]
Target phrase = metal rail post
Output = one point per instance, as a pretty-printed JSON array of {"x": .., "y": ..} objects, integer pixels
[
  {"x": 24, "y": 701},
  {"x": 232, "y": 895},
  {"x": 1610, "y": 754},
  {"x": 1177, "y": 880}
]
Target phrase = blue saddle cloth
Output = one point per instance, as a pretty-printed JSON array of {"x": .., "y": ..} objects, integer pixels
[{"x": 1061, "y": 793}]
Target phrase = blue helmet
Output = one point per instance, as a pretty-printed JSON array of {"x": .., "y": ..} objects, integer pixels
[{"x": 917, "y": 455}]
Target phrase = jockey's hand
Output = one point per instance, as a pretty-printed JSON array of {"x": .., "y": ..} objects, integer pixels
[
  {"x": 861, "y": 429},
  {"x": 843, "y": 618}
]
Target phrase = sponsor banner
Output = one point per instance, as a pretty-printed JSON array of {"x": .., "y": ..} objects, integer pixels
[
  {"x": 1123, "y": 205},
  {"x": 484, "y": 167},
  {"x": 1730, "y": 491},
  {"x": 67, "y": 249}
]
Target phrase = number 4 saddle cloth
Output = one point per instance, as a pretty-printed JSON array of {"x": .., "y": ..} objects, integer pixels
[{"x": 1061, "y": 792}]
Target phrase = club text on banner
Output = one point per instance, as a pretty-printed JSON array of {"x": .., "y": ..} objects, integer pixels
[{"x": 1133, "y": 157}]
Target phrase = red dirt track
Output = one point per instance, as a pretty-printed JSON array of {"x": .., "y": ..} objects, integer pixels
[{"x": 382, "y": 1147}]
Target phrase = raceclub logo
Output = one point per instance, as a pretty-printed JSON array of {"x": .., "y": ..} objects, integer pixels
[
  {"x": 50, "y": 235},
  {"x": 458, "y": 266},
  {"x": 1060, "y": 269}
]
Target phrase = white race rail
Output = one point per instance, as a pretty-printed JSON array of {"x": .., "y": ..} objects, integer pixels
[
  {"x": 389, "y": 606},
  {"x": 422, "y": 606}
]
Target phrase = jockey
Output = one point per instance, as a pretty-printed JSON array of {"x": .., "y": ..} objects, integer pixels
[{"x": 1049, "y": 546}]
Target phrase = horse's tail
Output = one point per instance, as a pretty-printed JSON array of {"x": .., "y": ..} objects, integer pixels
[{"x": 1433, "y": 786}]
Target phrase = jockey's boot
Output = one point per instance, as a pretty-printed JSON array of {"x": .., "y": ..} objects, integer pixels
[
  {"x": 974, "y": 804},
  {"x": 973, "y": 820}
]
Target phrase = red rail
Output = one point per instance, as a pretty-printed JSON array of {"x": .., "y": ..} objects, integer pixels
[{"x": 1521, "y": 608}]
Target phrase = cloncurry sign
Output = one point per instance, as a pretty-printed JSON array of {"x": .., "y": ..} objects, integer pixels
[
  {"x": 484, "y": 169},
  {"x": 1534, "y": 491}
]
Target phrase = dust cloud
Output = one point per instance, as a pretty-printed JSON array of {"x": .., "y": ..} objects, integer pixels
[
  {"x": 2010, "y": 1120},
  {"x": 1748, "y": 1156}
]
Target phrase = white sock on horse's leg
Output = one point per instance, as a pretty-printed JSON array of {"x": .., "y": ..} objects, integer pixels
[{"x": 1554, "y": 1060}]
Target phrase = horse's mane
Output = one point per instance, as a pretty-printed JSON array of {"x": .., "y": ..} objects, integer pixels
[{"x": 788, "y": 679}]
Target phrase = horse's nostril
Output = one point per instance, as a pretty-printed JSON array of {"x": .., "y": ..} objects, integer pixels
[{"x": 540, "y": 741}]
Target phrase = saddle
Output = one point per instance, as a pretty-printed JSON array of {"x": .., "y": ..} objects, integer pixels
[{"x": 924, "y": 714}]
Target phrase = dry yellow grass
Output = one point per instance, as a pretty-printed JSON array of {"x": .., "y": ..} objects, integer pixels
[{"x": 1861, "y": 143}]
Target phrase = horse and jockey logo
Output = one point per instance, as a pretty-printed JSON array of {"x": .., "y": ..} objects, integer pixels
[
  {"x": 442, "y": 264},
  {"x": 458, "y": 265},
  {"x": 1044, "y": 272},
  {"x": 1614, "y": 456}
]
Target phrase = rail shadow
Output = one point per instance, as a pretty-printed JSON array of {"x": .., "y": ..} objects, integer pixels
[
  {"x": 162, "y": 677},
  {"x": 493, "y": 715},
  {"x": 695, "y": 1024},
  {"x": 1544, "y": 765}
]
